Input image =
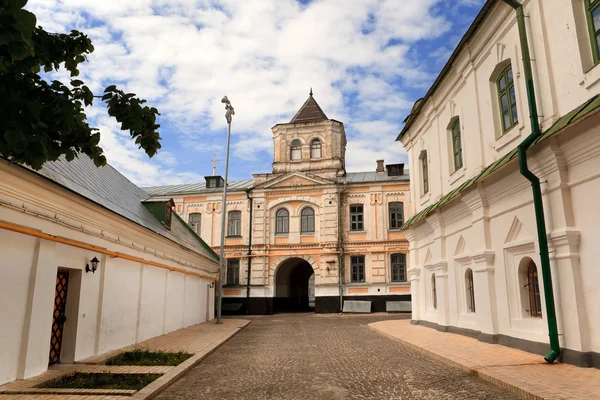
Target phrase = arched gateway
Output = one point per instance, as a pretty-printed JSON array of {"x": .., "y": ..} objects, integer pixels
[{"x": 294, "y": 286}]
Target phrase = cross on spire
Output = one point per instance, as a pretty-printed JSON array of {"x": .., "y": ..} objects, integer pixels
[{"x": 214, "y": 161}]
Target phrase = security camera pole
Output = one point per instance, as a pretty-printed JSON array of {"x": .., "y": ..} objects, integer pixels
[{"x": 228, "y": 113}]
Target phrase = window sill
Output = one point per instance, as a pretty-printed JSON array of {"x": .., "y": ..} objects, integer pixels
[
  {"x": 402, "y": 283},
  {"x": 233, "y": 285},
  {"x": 307, "y": 234},
  {"x": 395, "y": 229},
  {"x": 363, "y": 231},
  {"x": 233, "y": 237},
  {"x": 356, "y": 283},
  {"x": 282, "y": 234},
  {"x": 591, "y": 77},
  {"x": 509, "y": 136},
  {"x": 457, "y": 175}
]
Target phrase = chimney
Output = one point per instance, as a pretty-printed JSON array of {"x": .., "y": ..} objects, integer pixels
[{"x": 380, "y": 166}]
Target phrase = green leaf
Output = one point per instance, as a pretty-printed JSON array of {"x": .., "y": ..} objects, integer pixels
[
  {"x": 15, "y": 139},
  {"x": 76, "y": 82},
  {"x": 111, "y": 88},
  {"x": 17, "y": 51}
]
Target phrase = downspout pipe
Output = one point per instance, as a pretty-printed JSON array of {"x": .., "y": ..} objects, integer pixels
[
  {"x": 249, "y": 254},
  {"x": 536, "y": 187},
  {"x": 341, "y": 256}
]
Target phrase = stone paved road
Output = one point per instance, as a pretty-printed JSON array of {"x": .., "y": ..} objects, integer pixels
[{"x": 306, "y": 356}]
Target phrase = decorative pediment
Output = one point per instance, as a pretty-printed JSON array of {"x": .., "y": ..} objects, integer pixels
[
  {"x": 518, "y": 232},
  {"x": 294, "y": 179}
]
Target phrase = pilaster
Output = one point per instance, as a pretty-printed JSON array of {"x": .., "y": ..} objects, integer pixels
[{"x": 485, "y": 291}]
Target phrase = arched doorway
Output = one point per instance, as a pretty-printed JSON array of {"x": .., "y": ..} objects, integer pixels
[{"x": 292, "y": 286}]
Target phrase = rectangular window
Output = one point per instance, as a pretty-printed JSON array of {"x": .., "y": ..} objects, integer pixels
[
  {"x": 356, "y": 217},
  {"x": 424, "y": 173},
  {"x": 398, "y": 263},
  {"x": 593, "y": 16},
  {"x": 396, "y": 214},
  {"x": 457, "y": 145},
  {"x": 507, "y": 99},
  {"x": 357, "y": 264},
  {"x": 194, "y": 222},
  {"x": 234, "y": 227},
  {"x": 233, "y": 271}
]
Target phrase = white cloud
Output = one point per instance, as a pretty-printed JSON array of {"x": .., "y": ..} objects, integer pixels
[{"x": 183, "y": 56}]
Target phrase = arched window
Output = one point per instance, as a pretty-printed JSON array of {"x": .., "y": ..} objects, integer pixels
[
  {"x": 282, "y": 221},
  {"x": 533, "y": 288},
  {"x": 234, "y": 227},
  {"x": 396, "y": 214},
  {"x": 307, "y": 223},
  {"x": 398, "y": 267},
  {"x": 315, "y": 148},
  {"x": 470, "y": 290},
  {"x": 296, "y": 150},
  {"x": 457, "y": 145},
  {"x": 194, "y": 222},
  {"x": 433, "y": 292},
  {"x": 507, "y": 99}
]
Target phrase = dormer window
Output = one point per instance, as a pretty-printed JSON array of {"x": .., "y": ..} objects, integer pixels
[
  {"x": 213, "y": 182},
  {"x": 315, "y": 149},
  {"x": 296, "y": 150},
  {"x": 395, "y": 169}
]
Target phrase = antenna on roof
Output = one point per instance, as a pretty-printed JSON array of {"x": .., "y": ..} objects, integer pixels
[{"x": 310, "y": 92}]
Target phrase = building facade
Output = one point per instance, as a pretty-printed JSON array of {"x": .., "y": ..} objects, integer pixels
[
  {"x": 475, "y": 263},
  {"x": 90, "y": 263},
  {"x": 308, "y": 234}
]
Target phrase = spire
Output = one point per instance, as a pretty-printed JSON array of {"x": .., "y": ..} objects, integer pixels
[{"x": 310, "y": 111}]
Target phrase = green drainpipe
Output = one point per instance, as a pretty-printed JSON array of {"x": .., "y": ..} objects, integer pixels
[{"x": 535, "y": 185}]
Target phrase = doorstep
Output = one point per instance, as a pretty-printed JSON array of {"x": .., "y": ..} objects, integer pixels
[{"x": 520, "y": 372}]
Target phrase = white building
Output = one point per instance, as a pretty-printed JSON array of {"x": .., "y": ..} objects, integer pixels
[
  {"x": 154, "y": 274},
  {"x": 475, "y": 264}
]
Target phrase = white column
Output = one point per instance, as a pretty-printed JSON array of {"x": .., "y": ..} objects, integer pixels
[{"x": 485, "y": 292}]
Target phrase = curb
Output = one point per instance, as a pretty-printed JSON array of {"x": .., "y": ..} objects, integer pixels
[
  {"x": 159, "y": 385},
  {"x": 477, "y": 372}
]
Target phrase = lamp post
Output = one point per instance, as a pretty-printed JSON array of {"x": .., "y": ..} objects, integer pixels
[{"x": 229, "y": 112}]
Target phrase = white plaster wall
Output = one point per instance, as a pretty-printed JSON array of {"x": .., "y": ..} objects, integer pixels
[
  {"x": 192, "y": 309},
  {"x": 120, "y": 304},
  {"x": 174, "y": 306},
  {"x": 15, "y": 266},
  {"x": 152, "y": 305}
]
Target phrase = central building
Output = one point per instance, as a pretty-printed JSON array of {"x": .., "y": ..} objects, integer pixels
[{"x": 308, "y": 235}]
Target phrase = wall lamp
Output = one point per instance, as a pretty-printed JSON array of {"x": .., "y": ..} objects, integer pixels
[{"x": 94, "y": 261}]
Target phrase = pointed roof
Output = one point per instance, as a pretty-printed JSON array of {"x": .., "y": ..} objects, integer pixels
[{"x": 309, "y": 112}]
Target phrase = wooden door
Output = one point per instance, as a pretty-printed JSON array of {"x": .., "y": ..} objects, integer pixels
[{"x": 58, "y": 317}]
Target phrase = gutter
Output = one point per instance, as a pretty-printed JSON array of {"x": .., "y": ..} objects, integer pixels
[
  {"x": 536, "y": 187},
  {"x": 249, "y": 254},
  {"x": 341, "y": 261}
]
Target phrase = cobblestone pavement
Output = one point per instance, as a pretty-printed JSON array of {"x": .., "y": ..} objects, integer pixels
[{"x": 306, "y": 356}]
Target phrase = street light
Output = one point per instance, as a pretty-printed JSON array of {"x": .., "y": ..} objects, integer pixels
[{"x": 229, "y": 112}]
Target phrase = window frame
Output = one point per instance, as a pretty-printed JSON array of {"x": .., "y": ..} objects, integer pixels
[
  {"x": 199, "y": 222},
  {"x": 424, "y": 172},
  {"x": 313, "y": 146},
  {"x": 392, "y": 214},
  {"x": 400, "y": 266},
  {"x": 506, "y": 91},
  {"x": 307, "y": 220},
  {"x": 296, "y": 146},
  {"x": 470, "y": 290},
  {"x": 433, "y": 292},
  {"x": 282, "y": 228},
  {"x": 457, "y": 150},
  {"x": 234, "y": 225},
  {"x": 533, "y": 291},
  {"x": 233, "y": 272},
  {"x": 357, "y": 269},
  {"x": 590, "y": 7},
  {"x": 357, "y": 225}
]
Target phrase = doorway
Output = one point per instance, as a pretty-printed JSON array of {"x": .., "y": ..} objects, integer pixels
[
  {"x": 292, "y": 286},
  {"x": 59, "y": 315}
]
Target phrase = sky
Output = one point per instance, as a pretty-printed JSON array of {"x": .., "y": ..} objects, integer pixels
[{"x": 367, "y": 62}]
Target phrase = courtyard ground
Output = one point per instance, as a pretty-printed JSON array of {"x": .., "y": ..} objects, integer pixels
[{"x": 307, "y": 356}]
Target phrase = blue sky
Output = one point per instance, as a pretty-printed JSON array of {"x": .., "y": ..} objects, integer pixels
[{"x": 366, "y": 60}]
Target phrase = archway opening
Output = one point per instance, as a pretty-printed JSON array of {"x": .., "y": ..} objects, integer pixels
[{"x": 294, "y": 288}]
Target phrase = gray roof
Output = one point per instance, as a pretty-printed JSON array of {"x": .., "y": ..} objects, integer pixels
[
  {"x": 309, "y": 112},
  {"x": 111, "y": 190},
  {"x": 172, "y": 190},
  {"x": 358, "y": 177}
]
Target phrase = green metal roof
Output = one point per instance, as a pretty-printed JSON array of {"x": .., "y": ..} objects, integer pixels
[{"x": 576, "y": 114}]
